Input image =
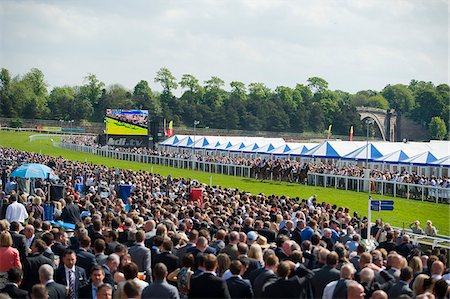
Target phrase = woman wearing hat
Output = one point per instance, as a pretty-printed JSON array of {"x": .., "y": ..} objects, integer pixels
[{"x": 430, "y": 230}]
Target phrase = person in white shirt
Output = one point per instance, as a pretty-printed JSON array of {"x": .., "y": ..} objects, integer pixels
[{"x": 16, "y": 211}]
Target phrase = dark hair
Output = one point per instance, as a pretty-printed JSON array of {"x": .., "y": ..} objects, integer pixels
[
  {"x": 130, "y": 289},
  {"x": 167, "y": 245},
  {"x": 48, "y": 238},
  {"x": 440, "y": 288},
  {"x": 140, "y": 236},
  {"x": 130, "y": 271},
  {"x": 97, "y": 225},
  {"x": 406, "y": 273},
  {"x": 332, "y": 259},
  {"x": 188, "y": 260},
  {"x": 85, "y": 241},
  {"x": 99, "y": 245},
  {"x": 68, "y": 251},
  {"x": 39, "y": 291},
  {"x": 97, "y": 268},
  {"x": 283, "y": 269},
  {"x": 113, "y": 235},
  {"x": 235, "y": 267},
  {"x": 15, "y": 275},
  {"x": 14, "y": 226},
  {"x": 160, "y": 271},
  {"x": 210, "y": 261},
  {"x": 40, "y": 245}
]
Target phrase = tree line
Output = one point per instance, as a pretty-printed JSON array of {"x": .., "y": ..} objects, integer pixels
[{"x": 309, "y": 107}]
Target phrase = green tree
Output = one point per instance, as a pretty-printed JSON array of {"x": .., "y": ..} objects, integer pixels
[
  {"x": 214, "y": 94},
  {"x": 317, "y": 85},
  {"x": 400, "y": 97},
  {"x": 168, "y": 82},
  {"x": 36, "y": 103},
  {"x": 144, "y": 99},
  {"x": 438, "y": 129},
  {"x": 91, "y": 91},
  {"x": 6, "y": 100}
]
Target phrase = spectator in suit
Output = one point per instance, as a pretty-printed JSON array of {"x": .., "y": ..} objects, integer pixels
[
  {"x": 326, "y": 274},
  {"x": 111, "y": 239},
  {"x": 394, "y": 263},
  {"x": 70, "y": 275},
  {"x": 267, "y": 276},
  {"x": 405, "y": 247},
  {"x": 160, "y": 288},
  {"x": 141, "y": 255},
  {"x": 355, "y": 291},
  {"x": 217, "y": 288},
  {"x": 71, "y": 212},
  {"x": 402, "y": 287},
  {"x": 109, "y": 267},
  {"x": 389, "y": 244},
  {"x": 201, "y": 247},
  {"x": 85, "y": 259},
  {"x": 89, "y": 291},
  {"x": 39, "y": 292},
  {"x": 219, "y": 243},
  {"x": 33, "y": 263},
  {"x": 231, "y": 248},
  {"x": 287, "y": 288},
  {"x": 15, "y": 276},
  {"x": 96, "y": 231},
  {"x": 338, "y": 288},
  {"x": 105, "y": 291},
  {"x": 237, "y": 286},
  {"x": 55, "y": 290},
  {"x": 28, "y": 231},
  {"x": 193, "y": 237},
  {"x": 60, "y": 242},
  {"x": 251, "y": 263},
  {"x": 167, "y": 257},
  {"x": 441, "y": 289},
  {"x": 379, "y": 295},
  {"x": 99, "y": 251},
  {"x": 48, "y": 238},
  {"x": 19, "y": 241}
]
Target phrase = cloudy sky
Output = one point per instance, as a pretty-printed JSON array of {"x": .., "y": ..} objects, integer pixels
[{"x": 354, "y": 45}]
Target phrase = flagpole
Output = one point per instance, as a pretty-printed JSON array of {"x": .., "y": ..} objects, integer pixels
[{"x": 369, "y": 218}]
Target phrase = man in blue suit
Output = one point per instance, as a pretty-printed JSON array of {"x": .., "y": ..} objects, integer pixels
[
  {"x": 237, "y": 286},
  {"x": 70, "y": 275}
]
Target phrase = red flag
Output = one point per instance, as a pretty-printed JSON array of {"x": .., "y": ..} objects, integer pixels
[
  {"x": 165, "y": 132},
  {"x": 351, "y": 133}
]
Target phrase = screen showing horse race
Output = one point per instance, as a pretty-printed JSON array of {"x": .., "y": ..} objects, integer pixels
[{"x": 126, "y": 122}]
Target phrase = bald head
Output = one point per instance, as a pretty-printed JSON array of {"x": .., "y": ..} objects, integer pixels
[
  {"x": 347, "y": 271},
  {"x": 379, "y": 295},
  {"x": 355, "y": 291},
  {"x": 366, "y": 275},
  {"x": 437, "y": 268}
]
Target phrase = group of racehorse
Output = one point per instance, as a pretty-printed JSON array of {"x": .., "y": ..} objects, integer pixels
[{"x": 278, "y": 171}]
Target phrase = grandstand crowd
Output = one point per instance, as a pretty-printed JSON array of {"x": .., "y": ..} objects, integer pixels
[
  {"x": 162, "y": 240},
  {"x": 288, "y": 168}
]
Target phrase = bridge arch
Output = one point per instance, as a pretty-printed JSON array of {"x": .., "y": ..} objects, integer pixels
[{"x": 386, "y": 121}]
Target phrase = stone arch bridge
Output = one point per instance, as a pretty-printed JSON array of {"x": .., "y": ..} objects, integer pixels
[{"x": 386, "y": 121}]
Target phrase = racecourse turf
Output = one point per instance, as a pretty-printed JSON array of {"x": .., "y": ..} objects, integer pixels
[{"x": 406, "y": 210}]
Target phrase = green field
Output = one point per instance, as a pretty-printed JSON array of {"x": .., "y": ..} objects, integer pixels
[
  {"x": 121, "y": 128},
  {"x": 405, "y": 212}
]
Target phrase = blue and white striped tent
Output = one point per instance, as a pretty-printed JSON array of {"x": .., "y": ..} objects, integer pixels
[
  {"x": 332, "y": 149},
  {"x": 236, "y": 147},
  {"x": 367, "y": 152},
  {"x": 301, "y": 149},
  {"x": 445, "y": 161},
  {"x": 171, "y": 141},
  {"x": 393, "y": 158},
  {"x": 423, "y": 159},
  {"x": 185, "y": 142},
  {"x": 250, "y": 149}
]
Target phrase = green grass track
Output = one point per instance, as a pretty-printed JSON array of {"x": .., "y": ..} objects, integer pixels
[{"x": 405, "y": 211}]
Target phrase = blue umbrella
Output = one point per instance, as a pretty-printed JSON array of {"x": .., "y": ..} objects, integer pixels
[{"x": 33, "y": 170}]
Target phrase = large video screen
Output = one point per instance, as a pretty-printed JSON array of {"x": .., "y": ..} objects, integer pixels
[{"x": 126, "y": 122}]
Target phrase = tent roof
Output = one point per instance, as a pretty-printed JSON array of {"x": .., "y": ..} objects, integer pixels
[
  {"x": 394, "y": 157},
  {"x": 333, "y": 149},
  {"x": 185, "y": 142},
  {"x": 445, "y": 161},
  {"x": 251, "y": 148},
  {"x": 173, "y": 140},
  {"x": 365, "y": 152},
  {"x": 425, "y": 158}
]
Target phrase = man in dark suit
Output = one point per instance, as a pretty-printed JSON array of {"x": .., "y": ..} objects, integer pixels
[
  {"x": 405, "y": 247},
  {"x": 55, "y": 290},
  {"x": 85, "y": 259},
  {"x": 402, "y": 287},
  {"x": 238, "y": 287},
  {"x": 250, "y": 263},
  {"x": 231, "y": 248},
  {"x": 19, "y": 241},
  {"x": 141, "y": 255},
  {"x": 284, "y": 287},
  {"x": 267, "y": 276},
  {"x": 216, "y": 287},
  {"x": 326, "y": 274},
  {"x": 71, "y": 212},
  {"x": 88, "y": 291},
  {"x": 111, "y": 239},
  {"x": 167, "y": 257},
  {"x": 60, "y": 243},
  {"x": 70, "y": 275},
  {"x": 33, "y": 263},
  {"x": 96, "y": 231},
  {"x": 193, "y": 237},
  {"x": 110, "y": 266},
  {"x": 15, "y": 276}
]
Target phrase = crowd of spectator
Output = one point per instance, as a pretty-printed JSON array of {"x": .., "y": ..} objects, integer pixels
[
  {"x": 161, "y": 242},
  {"x": 291, "y": 167}
]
